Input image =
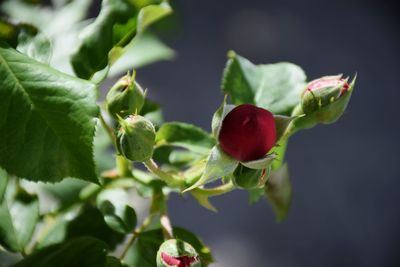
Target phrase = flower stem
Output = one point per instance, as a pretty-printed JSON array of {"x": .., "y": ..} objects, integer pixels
[
  {"x": 136, "y": 233},
  {"x": 109, "y": 130},
  {"x": 170, "y": 179}
]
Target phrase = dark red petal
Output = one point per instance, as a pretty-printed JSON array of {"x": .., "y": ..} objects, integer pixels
[{"x": 248, "y": 132}]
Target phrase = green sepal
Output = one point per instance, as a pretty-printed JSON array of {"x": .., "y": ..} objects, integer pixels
[
  {"x": 219, "y": 116},
  {"x": 262, "y": 163},
  {"x": 218, "y": 165}
]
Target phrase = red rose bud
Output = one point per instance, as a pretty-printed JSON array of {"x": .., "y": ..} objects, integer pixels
[
  {"x": 177, "y": 253},
  {"x": 321, "y": 92},
  {"x": 247, "y": 132}
]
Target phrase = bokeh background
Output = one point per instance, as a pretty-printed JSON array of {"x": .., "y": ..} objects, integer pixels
[{"x": 345, "y": 176}]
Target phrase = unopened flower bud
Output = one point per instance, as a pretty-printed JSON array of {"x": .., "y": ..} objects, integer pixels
[
  {"x": 321, "y": 92},
  {"x": 176, "y": 253},
  {"x": 247, "y": 132},
  {"x": 136, "y": 138},
  {"x": 247, "y": 178},
  {"x": 125, "y": 98}
]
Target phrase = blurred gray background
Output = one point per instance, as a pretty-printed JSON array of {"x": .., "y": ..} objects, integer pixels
[{"x": 345, "y": 176}]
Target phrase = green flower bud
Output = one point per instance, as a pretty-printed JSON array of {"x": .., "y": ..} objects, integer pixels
[
  {"x": 247, "y": 178},
  {"x": 321, "y": 92},
  {"x": 125, "y": 98},
  {"x": 324, "y": 101},
  {"x": 136, "y": 138},
  {"x": 177, "y": 253}
]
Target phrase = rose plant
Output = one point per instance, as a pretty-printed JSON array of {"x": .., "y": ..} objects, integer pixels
[{"x": 71, "y": 159}]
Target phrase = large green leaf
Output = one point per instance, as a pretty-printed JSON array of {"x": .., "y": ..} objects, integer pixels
[
  {"x": 118, "y": 23},
  {"x": 18, "y": 221},
  {"x": 185, "y": 135},
  {"x": 276, "y": 87},
  {"x": 82, "y": 252},
  {"x": 46, "y": 120}
]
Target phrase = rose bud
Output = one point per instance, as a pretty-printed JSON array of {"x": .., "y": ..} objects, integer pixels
[
  {"x": 136, "y": 138},
  {"x": 247, "y": 132},
  {"x": 321, "y": 92},
  {"x": 247, "y": 178},
  {"x": 177, "y": 253},
  {"x": 325, "y": 99},
  {"x": 125, "y": 98}
]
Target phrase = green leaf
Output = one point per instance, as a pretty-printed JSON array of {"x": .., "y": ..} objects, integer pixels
[
  {"x": 218, "y": 165},
  {"x": 279, "y": 192},
  {"x": 27, "y": 39},
  {"x": 204, "y": 252},
  {"x": 152, "y": 111},
  {"x": 118, "y": 215},
  {"x": 114, "y": 262},
  {"x": 149, "y": 243},
  {"x": 34, "y": 44},
  {"x": 18, "y": 221},
  {"x": 275, "y": 87},
  {"x": 141, "y": 51},
  {"x": 46, "y": 121},
  {"x": 3, "y": 184},
  {"x": 90, "y": 222},
  {"x": 117, "y": 24},
  {"x": 50, "y": 21},
  {"x": 82, "y": 252},
  {"x": 67, "y": 191},
  {"x": 255, "y": 194},
  {"x": 186, "y": 136}
]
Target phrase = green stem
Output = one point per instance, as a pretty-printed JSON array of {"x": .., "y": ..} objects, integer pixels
[
  {"x": 171, "y": 180},
  {"x": 123, "y": 166},
  {"x": 109, "y": 130},
  {"x": 136, "y": 233}
]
